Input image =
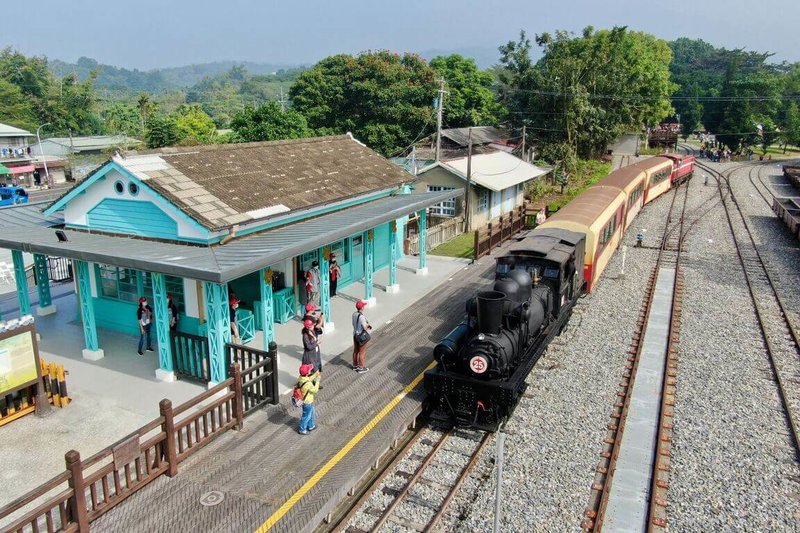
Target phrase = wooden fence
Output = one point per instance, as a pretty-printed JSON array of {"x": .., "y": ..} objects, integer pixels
[
  {"x": 497, "y": 232},
  {"x": 259, "y": 374},
  {"x": 439, "y": 234},
  {"x": 89, "y": 488},
  {"x": 190, "y": 356}
]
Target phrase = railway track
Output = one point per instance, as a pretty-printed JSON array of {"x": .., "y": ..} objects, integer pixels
[
  {"x": 780, "y": 336},
  {"x": 637, "y": 496},
  {"x": 414, "y": 490}
]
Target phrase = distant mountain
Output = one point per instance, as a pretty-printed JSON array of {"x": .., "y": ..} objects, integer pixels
[{"x": 156, "y": 80}]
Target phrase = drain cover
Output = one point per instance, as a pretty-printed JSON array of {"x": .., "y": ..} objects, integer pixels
[{"x": 210, "y": 499}]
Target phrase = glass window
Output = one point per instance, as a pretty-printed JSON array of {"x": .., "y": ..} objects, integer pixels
[
  {"x": 483, "y": 200},
  {"x": 133, "y": 189},
  {"x": 119, "y": 187},
  {"x": 446, "y": 208},
  {"x": 128, "y": 285}
]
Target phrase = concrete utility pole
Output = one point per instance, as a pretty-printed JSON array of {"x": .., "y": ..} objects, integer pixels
[
  {"x": 41, "y": 151},
  {"x": 523, "y": 144},
  {"x": 467, "y": 217},
  {"x": 440, "y": 106}
]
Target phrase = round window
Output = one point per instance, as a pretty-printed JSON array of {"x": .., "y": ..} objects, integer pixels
[
  {"x": 119, "y": 187},
  {"x": 133, "y": 189}
]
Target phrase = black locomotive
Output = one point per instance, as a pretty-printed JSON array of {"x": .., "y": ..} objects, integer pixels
[{"x": 482, "y": 364}]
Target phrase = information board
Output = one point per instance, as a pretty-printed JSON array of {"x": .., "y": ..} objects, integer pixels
[{"x": 19, "y": 359}]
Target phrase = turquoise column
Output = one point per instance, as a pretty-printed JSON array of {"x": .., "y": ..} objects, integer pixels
[
  {"x": 423, "y": 240},
  {"x": 87, "y": 310},
  {"x": 393, "y": 257},
  {"x": 324, "y": 255},
  {"x": 401, "y": 227},
  {"x": 22, "y": 283},
  {"x": 266, "y": 306},
  {"x": 218, "y": 322},
  {"x": 162, "y": 326},
  {"x": 42, "y": 280},
  {"x": 369, "y": 245}
]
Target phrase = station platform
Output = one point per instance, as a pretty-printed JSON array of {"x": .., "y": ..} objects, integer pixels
[{"x": 270, "y": 478}]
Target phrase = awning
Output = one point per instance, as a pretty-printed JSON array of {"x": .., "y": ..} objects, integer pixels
[
  {"x": 4, "y": 169},
  {"x": 496, "y": 171},
  {"x": 22, "y": 170},
  {"x": 218, "y": 264}
]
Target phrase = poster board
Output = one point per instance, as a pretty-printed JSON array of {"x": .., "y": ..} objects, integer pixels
[{"x": 19, "y": 359}]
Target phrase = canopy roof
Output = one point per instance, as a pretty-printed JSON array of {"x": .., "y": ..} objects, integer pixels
[
  {"x": 496, "y": 171},
  {"x": 27, "y": 229}
]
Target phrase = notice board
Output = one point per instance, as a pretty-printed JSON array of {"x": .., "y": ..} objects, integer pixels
[{"x": 19, "y": 359}]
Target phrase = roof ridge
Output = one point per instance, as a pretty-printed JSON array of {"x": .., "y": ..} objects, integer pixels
[{"x": 178, "y": 150}]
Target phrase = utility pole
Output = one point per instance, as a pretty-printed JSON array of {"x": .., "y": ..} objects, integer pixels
[
  {"x": 440, "y": 106},
  {"x": 467, "y": 217},
  {"x": 523, "y": 144},
  {"x": 44, "y": 157},
  {"x": 282, "y": 101}
]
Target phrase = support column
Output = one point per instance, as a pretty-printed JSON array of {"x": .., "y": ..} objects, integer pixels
[
  {"x": 266, "y": 306},
  {"x": 422, "y": 225},
  {"x": 22, "y": 283},
  {"x": 165, "y": 371},
  {"x": 218, "y": 322},
  {"x": 324, "y": 255},
  {"x": 369, "y": 268},
  {"x": 393, "y": 257},
  {"x": 92, "y": 351},
  {"x": 46, "y": 305}
]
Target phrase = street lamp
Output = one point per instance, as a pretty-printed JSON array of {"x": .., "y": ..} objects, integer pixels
[{"x": 41, "y": 151}]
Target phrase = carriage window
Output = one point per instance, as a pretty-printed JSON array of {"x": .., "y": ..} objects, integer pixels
[{"x": 551, "y": 273}]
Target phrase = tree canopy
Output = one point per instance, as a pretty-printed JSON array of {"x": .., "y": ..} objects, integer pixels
[
  {"x": 268, "y": 122},
  {"x": 384, "y": 99},
  {"x": 470, "y": 100}
]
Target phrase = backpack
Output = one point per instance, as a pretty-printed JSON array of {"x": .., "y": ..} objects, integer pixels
[{"x": 298, "y": 397}]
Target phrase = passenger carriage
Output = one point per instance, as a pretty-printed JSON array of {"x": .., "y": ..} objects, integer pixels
[{"x": 659, "y": 173}]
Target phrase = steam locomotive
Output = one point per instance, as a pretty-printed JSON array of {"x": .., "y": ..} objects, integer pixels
[{"x": 483, "y": 362}]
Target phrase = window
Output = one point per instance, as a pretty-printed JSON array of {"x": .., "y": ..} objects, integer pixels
[
  {"x": 483, "y": 200},
  {"x": 607, "y": 232},
  {"x": 128, "y": 285},
  {"x": 133, "y": 189},
  {"x": 446, "y": 208},
  {"x": 635, "y": 195},
  {"x": 660, "y": 176},
  {"x": 119, "y": 187}
]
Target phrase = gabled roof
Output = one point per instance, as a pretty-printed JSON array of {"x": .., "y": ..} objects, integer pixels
[
  {"x": 11, "y": 131},
  {"x": 226, "y": 184},
  {"x": 94, "y": 142},
  {"x": 495, "y": 171}
]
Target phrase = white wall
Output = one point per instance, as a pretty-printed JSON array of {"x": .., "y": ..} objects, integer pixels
[{"x": 77, "y": 209}]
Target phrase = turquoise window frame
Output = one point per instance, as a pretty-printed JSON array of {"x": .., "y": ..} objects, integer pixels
[{"x": 128, "y": 285}]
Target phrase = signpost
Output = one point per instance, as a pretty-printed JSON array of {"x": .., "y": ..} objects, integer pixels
[{"x": 19, "y": 363}]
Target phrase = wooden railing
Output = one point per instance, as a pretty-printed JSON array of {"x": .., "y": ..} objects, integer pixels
[
  {"x": 439, "y": 234},
  {"x": 190, "y": 356},
  {"x": 498, "y": 232},
  {"x": 89, "y": 488},
  {"x": 259, "y": 374}
]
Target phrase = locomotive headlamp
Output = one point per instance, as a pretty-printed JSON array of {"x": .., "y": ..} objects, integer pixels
[{"x": 481, "y": 336}]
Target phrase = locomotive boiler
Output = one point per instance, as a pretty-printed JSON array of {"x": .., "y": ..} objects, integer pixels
[{"x": 482, "y": 363}]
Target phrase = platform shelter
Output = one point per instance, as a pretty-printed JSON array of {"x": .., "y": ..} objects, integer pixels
[{"x": 201, "y": 224}]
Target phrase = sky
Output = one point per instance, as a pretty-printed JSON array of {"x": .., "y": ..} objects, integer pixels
[{"x": 148, "y": 34}]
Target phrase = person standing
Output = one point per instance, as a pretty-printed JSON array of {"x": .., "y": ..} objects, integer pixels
[
  {"x": 309, "y": 385},
  {"x": 311, "y": 353},
  {"x": 172, "y": 309},
  {"x": 234, "y": 305},
  {"x": 318, "y": 320},
  {"x": 312, "y": 284},
  {"x": 144, "y": 315},
  {"x": 361, "y": 337},
  {"x": 335, "y": 274}
]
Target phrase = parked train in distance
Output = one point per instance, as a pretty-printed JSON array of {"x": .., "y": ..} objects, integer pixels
[{"x": 482, "y": 363}]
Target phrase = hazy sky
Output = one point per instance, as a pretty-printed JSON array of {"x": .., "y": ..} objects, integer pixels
[{"x": 149, "y": 33}]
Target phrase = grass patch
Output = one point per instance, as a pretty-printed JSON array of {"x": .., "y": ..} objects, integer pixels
[
  {"x": 589, "y": 172},
  {"x": 461, "y": 246}
]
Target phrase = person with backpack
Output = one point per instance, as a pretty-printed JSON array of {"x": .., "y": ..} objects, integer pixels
[
  {"x": 144, "y": 316},
  {"x": 361, "y": 337},
  {"x": 303, "y": 394},
  {"x": 311, "y": 352}
]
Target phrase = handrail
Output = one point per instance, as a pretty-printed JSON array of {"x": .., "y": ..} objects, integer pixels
[
  {"x": 147, "y": 428},
  {"x": 182, "y": 408},
  {"x": 31, "y": 495}
]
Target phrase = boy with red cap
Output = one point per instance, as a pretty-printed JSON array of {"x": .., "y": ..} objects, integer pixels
[
  {"x": 234, "y": 305},
  {"x": 361, "y": 328},
  {"x": 309, "y": 385}
]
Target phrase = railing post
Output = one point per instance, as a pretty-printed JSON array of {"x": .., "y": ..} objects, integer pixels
[
  {"x": 273, "y": 355},
  {"x": 168, "y": 427},
  {"x": 475, "y": 254},
  {"x": 238, "y": 397},
  {"x": 77, "y": 503}
]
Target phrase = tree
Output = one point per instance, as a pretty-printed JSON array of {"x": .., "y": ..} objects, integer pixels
[
  {"x": 791, "y": 126},
  {"x": 161, "y": 131},
  {"x": 471, "y": 100},
  {"x": 15, "y": 108},
  {"x": 268, "y": 122},
  {"x": 193, "y": 126},
  {"x": 383, "y": 98},
  {"x": 122, "y": 118}
]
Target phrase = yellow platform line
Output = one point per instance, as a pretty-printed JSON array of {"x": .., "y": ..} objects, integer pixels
[{"x": 333, "y": 461}]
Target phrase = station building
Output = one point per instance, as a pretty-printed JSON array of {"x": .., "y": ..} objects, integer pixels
[{"x": 203, "y": 223}]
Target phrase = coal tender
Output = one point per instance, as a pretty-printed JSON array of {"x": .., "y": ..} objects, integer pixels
[{"x": 482, "y": 364}]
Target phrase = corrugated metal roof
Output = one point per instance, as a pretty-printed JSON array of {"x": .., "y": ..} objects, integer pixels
[
  {"x": 622, "y": 177},
  {"x": 28, "y": 215},
  {"x": 217, "y": 263},
  {"x": 94, "y": 142},
  {"x": 480, "y": 135},
  {"x": 11, "y": 131},
  {"x": 497, "y": 170}
]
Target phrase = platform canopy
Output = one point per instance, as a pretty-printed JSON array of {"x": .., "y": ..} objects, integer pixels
[{"x": 25, "y": 228}]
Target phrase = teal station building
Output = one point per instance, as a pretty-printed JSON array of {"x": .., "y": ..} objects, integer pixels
[{"x": 203, "y": 223}]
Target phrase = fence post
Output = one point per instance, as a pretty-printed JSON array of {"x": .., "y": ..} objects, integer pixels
[
  {"x": 475, "y": 254},
  {"x": 273, "y": 355},
  {"x": 236, "y": 374},
  {"x": 168, "y": 427},
  {"x": 77, "y": 503},
  {"x": 491, "y": 237}
]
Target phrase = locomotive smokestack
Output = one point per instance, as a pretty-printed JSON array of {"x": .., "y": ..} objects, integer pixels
[{"x": 490, "y": 311}]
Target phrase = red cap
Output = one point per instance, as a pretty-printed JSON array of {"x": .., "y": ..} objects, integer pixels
[
  {"x": 361, "y": 304},
  {"x": 306, "y": 369},
  {"x": 142, "y": 300},
  {"x": 234, "y": 301},
  {"x": 310, "y": 307},
  {"x": 308, "y": 323},
  {"x": 333, "y": 256}
]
